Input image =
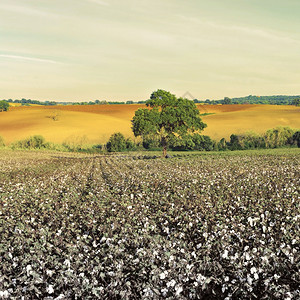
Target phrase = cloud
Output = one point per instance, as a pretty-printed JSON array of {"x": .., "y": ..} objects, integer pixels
[
  {"x": 26, "y": 58},
  {"x": 100, "y": 2},
  {"x": 26, "y": 10},
  {"x": 270, "y": 35}
]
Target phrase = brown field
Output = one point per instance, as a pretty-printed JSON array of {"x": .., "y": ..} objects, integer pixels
[{"x": 95, "y": 123}]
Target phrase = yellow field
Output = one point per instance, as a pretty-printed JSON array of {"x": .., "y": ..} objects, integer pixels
[
  {"x": 243, "y": 118},
  {"x": 95, "y": 123}
]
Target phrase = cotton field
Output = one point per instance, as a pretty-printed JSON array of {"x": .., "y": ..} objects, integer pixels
[{"x": 119, "y": 227}]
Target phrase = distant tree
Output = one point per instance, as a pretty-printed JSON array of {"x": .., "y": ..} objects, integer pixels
[
  {"x": 203, "y": 142},
  {"x": 296, "y": 102},
  {"x": 278, "y": 137},
  {"x": 227, "y": 100},
  {"x": 4, "y": 106},
  {"x": 129, "y": 102},
  {"x": 33, "y": 142},
  {"x": 222, "y": 145},
  {"x": 48, "y": 103},
  {"x": 236, "y": 142},
  {"x": 296, "y": 138},
  {"x": 165, "y": 117},
  {"x": 116, "y": 143},
  {"x": 130, "y": 145},
  {"x": 182, "y": 143}
]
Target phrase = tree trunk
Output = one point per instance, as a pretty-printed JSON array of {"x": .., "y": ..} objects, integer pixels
[
  {"x": 164, "y": 145},
  {"x": 165, "y": 151}
]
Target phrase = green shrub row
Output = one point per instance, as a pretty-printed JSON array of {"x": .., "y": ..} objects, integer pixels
[{"x": 273, "y": 138}]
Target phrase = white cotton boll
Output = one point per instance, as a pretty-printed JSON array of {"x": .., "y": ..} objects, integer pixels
[
  {"x": 253, "y": 270},
  {"x": 249, "y": 280},
  {"x": 178, "y": 289},
  {"x": 50, "y": 289},
  {"x": 49, "y": 272},
  {"x": 288, "y": 296},
  {"x": 200, "y": 278},
  {"x": 199, "y": 246},
  {"x": 136, "y": 261},
  {"x": 256, "y": 276},
  {"x": 250, "y": 220},
  {"x": 4, "y": 294},
  {"x": 171, "y": 283},
  {"x": 28, "y": 269},
  {"x": 164, "y": 291},
  {"x": 67, "y": 263},
  {"x": 225, "y": 254}
]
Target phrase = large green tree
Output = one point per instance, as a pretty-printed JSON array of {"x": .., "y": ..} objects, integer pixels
[{"x": 166, "y": 117}]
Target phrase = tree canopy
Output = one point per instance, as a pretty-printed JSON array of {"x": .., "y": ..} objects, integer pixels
[{"x": 167, "y": 116}]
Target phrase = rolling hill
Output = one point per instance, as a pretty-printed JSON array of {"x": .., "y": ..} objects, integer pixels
[{"x": 95, "y": 123}]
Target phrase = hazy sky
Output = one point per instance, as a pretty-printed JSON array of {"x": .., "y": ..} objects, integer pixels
[{"x": 75, "y": 50}]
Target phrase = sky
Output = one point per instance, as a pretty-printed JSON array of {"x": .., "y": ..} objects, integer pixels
[{"x": 120, "y": 50}]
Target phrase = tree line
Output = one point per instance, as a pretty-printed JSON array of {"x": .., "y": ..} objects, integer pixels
[{"x": 272, "y": 100}]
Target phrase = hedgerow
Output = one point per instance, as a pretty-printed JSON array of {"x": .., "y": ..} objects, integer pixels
[{"x": 206, "y": 227}]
